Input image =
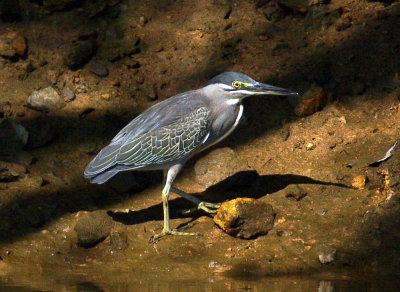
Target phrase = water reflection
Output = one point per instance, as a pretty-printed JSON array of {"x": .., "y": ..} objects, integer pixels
[
  {"x": 30, "y": 282},
  {"x": 326, "y": 286}
]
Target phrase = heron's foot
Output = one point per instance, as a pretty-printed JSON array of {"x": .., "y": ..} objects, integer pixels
[
  {"x": 165, "y": 232},
  {"x": 210, "y": 208}
]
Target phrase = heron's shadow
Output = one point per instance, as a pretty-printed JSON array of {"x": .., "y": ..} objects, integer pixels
[{"x": 243, "y": 184}]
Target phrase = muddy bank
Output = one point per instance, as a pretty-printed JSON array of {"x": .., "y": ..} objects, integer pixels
[{"x": 72, "y": 74}]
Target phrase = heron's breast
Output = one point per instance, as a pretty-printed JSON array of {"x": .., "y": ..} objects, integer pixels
[{"x": 224, "y": 123}]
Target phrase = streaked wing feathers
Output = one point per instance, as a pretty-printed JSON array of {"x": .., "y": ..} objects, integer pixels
[
  {"x": 103, "y": 160},
  {"x": 168, "y": 143}
]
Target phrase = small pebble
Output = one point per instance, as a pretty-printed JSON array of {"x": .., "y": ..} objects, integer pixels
[
  {"x": 68, "y": 94},
  {"x": 106, "y": 96},
  {"x": 299, "y": 144},
  {"x": 213, "y": 265},
  {"x": 296, "y": 192},
  {"x": 327, "y": 256},
  {"x": 310, "y": 146},
  {"x": 359, "y": 182},
  {"x": 45, "y": 100},
  {"x": 98, "y": 69}
]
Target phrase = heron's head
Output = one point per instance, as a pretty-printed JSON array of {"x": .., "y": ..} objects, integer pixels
[{"x": 238, "y": 86}]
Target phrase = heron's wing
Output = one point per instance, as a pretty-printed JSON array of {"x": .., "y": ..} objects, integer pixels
[
  {"x": 156, "y": 121},
  {"x": 161, "y": 114},
  {"x": 168, "y": 143}
]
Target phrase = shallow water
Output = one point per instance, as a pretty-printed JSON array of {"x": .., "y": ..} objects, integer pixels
[{"x": 40, "y": 281}]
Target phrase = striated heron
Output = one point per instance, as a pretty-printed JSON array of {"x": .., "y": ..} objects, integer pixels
[{"x": 167, "y": 134}]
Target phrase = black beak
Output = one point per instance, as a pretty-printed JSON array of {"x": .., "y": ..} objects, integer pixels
[{"x": 262, "y": 88}]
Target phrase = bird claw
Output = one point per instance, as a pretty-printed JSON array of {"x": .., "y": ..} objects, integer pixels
[
  {"x": 157, "y": 237},
  {"x": 210, "y": 208}
]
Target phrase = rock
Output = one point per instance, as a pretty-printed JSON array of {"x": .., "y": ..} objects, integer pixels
[
  {"x": 299, "y": 144},
  {"x": 245, "y": 218},
  {"x": 93, "y": 227},
  {"x": 312, "y": 101},
  {"x": 45, "y": 100},
  {"x": 106, "y": 96},
  {"x": 359, "y": 182},
  {"x": 67, "y": 94},
  {"x": 310, "y": 146},
  {"x": 218, "y": 165},
  {"x": 12, "y": 45},
  {"x": 11, "y": 171},
  {"x": 327, "y": 255},
  {"x": 79, "y": 54},
  {"x": 296, "y": 192},
  {"x": 41, "y": 133},
  {"x": 13, "y": 137},
  {"x": 98, "y": 69}
]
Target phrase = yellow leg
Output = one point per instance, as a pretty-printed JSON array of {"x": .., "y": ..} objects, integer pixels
[{"x": 170, "y": 176}]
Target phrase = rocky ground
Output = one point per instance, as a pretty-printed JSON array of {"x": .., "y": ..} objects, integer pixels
[{"x": 72, "y": 73}]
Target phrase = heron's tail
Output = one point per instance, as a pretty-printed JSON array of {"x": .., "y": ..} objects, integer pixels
[{"x": 103, "y": 177}]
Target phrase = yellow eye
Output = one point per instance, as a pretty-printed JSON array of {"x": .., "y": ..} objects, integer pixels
[{"x": 236, "y": 84}]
